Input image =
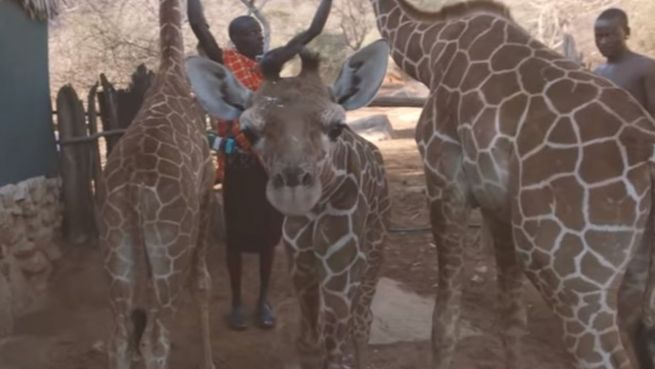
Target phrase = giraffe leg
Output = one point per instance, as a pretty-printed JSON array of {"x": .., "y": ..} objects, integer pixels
[
  {"x": 168, "y": 278},
  {"x": 449, "y": 222},
  {"x": 631, "y": 298},
  {"x": 448, "y": 202},
  {"x": 595, "y": 347},
  {"x": 644, "y": 334},
  {"x": 449, "y": 217},
  {"x": 335, "y": 320},
  {"x": 511, "y": 310},
  {"x": 301, "y": 263},
  {"x": 341, "y": 266},
  {"x": 587, "y": 309},
  {"x": 120, "y": 348},
  {"x": 362, "y": 314},
  {"x": 202, "y": 285},
  {"x": 120, "y": 263}
]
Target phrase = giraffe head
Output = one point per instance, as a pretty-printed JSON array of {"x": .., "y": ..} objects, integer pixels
[{"x": 294, "y": 123}]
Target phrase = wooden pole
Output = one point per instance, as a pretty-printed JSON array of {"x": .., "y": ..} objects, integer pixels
[
  {"x": 94, "y": 149},
  {"x": 108, "y": 110},
  {"x": 79, "y": 221}
]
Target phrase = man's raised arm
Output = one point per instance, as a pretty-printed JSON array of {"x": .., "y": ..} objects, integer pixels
[{"x": 201, "y": 30}]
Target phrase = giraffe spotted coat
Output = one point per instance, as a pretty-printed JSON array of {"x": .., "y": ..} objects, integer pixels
[{"x": 557, "y": 159}]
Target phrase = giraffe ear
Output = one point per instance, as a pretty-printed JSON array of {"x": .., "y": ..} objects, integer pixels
[
  {"x": 219, "y": 93},
  {"x": 361, "y": 76}
]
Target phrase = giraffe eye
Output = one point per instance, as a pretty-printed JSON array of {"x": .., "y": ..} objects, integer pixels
[{"x": 335, "y": 130}]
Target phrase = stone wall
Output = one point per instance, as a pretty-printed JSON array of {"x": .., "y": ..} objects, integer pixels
[{"x": 30, "y": 225}]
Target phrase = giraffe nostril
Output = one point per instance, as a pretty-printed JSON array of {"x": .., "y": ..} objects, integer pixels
[
  {"x": 278, "y": 181},
  {"x": 307, "y": 180}
]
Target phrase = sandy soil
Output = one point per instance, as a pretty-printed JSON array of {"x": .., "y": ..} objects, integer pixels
[{"x": 70, "y": 332}]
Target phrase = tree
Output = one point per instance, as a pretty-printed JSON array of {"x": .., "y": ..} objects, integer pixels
[{"x": 354, "y": 21}]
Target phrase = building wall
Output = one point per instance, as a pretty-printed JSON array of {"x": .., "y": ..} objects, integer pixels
[
  {"x": 30, "y": 189},
  {"x": 30, "y": 228},
  {"x": 27, "y": 144}
]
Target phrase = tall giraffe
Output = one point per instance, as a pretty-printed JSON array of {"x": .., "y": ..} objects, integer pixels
[
  {"x": 557, "y": 159},
  {"x": 153, "y": 207},
  {"x": 328, "y": 181}
]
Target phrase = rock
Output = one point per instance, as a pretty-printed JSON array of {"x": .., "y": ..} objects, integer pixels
[
  {"x": 373, "y": 128},
  {"x": 30, "y": 218},
  {"x": 6, "y": 314}
]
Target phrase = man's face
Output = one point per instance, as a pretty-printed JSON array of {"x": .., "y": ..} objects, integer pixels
[
  {"x": 610, "y": 37},
  {"x": 248, "y": 38}
]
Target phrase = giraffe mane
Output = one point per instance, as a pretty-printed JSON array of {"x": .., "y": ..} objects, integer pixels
[{"x": 454, "y": 10}]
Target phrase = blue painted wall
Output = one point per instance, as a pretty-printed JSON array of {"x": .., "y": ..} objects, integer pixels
[{"x": 27, "y": 144}]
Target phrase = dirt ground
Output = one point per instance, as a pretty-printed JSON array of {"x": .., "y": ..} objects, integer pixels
[{"x": 70, "y": 332}]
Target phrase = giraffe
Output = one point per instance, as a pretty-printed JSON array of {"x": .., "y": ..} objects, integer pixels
[
  {"x": 329, "y": 182},
  {"x": 557, "y": 159},
  {"x": 153, "y": 200}
]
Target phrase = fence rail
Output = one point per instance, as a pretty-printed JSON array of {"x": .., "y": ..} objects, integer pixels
[{"x": 384, "y": 102}]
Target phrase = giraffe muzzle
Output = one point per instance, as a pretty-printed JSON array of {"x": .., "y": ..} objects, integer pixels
[
  {"x": 293, "y": 191},
  {"x": 293, "y": 177}
]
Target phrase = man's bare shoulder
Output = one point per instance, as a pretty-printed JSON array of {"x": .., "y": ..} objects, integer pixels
[{"x": 645, "y": 64}]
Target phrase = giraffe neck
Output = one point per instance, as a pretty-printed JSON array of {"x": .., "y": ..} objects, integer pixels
[
  {"x": 334, "y": 174},
  {"x": 411, "y": 32},
  {"x": 170, "y": 36}
]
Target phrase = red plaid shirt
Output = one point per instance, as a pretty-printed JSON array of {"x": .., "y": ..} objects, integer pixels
[
  {"x": 248, "y": 73},
  {"x": 245, "y": 69}
]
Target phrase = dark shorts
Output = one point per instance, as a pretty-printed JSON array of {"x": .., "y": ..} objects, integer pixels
[{"x": 252, "y": 224}]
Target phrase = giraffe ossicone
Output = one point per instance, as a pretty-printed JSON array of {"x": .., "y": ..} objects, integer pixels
[{"x": 556, "y": 159}]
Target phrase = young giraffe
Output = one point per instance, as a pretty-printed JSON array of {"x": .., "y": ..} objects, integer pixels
[
  {"x": 556, "y": 158},
  {"x": 153, "y": 207},
  {"x": 329, "y": 182}
]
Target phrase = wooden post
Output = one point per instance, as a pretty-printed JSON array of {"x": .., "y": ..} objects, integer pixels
[
  {"x": 94, "y": 146},
  {"x": 79, "y": 220},
  {"x": 108, "y": 110},
  {"x": 130, "y": 99}
]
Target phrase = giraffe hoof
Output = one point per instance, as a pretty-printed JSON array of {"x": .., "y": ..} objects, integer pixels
[
  {"x": 236, "y": 319},
  {"x": 266, "y": 317}
]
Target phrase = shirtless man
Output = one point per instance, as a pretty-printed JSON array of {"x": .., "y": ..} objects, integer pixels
[{"x": 627, "y": 69}]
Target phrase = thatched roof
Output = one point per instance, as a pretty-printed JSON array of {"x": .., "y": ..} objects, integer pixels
[{"x": 41, "y": 9}]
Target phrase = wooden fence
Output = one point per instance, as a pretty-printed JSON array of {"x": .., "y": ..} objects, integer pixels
[
  {"x": 80, "y": 151},
  {"x": 81, "y": 155}
]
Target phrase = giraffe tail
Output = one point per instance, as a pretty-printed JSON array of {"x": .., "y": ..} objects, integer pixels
[
  {"x": 143, "y": 269},
  {"x": 644, "y": 339}
]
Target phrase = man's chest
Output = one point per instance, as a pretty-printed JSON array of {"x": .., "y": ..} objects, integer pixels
[{"x": 626, "y": 77}]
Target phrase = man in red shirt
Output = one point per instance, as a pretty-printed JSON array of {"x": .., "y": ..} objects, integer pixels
[{"x": 252, "y": 224}]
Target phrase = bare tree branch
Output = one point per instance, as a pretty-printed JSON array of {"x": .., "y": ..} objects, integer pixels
[{"x": 353, "y": 24}]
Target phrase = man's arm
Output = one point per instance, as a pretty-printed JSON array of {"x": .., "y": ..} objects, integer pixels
[
  {"x": 649, "y": 88},
  {"x": 201, "y": 30}
]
